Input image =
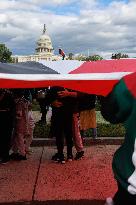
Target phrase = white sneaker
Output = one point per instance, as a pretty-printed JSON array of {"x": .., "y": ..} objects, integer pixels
[
  {"x": 109, "y": 201},
  {"x": 29, "y": 151}
]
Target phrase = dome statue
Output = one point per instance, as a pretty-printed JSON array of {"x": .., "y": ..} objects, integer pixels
[{"x": 44, "y": 44}]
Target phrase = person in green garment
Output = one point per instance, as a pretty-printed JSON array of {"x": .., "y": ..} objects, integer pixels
[{"x": 120, "y": 107}]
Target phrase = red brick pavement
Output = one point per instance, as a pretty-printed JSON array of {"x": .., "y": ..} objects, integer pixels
[{"x": 40, "y": 181}]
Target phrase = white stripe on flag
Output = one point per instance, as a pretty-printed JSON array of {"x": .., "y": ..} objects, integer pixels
[
  {"x": 87, "y": 76},
  {"x": 62, "y": 67}
]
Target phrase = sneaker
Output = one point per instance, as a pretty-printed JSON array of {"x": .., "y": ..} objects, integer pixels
[
  {"x": 55, "y": 157},
  {"x": 21, "y": 157},
  {"x": 79, "y": 155},
  {"x": 109, "y": 201},
  {"x": 62, "y": 159},
  {"x": 29, "y": 151},
  {"x": 14, "y": 156},
  {"x": 70, "y": 158},
  {"x": 59, "y": 158},
  {"x": 4, "y": 161}
]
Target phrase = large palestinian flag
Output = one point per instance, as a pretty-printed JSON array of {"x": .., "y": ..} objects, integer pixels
[
  {"x": 97, "y": 77},
  {"x": 130, "y": 81}
]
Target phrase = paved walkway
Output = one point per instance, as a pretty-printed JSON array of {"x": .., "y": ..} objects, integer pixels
[{"x": 40, "y": 181}]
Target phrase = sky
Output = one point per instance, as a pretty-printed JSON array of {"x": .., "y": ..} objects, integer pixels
[{"x": 77, "y": 26}]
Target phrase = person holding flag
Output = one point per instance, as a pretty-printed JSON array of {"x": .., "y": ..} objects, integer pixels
[{"x": 61, "y": 52}]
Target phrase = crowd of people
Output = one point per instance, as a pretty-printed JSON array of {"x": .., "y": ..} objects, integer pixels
[
  {"x": 72, "y": 114},
  {"x": 17, "y": 121}
]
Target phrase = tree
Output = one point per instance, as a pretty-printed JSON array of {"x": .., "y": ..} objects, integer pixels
[
  {"x": 94, "y": 58},
  {"x": 5, "y": 54},
  {"x": 70, "y": 56},
  {"x": 119, "y": 55}
]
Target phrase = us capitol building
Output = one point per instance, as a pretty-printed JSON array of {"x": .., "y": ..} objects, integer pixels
[{"x": 44, "y": 51}]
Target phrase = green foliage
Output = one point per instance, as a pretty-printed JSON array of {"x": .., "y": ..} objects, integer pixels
[
  {"x": 94, "y": 58},
  {"x": 119, "y": 55},
  {"x": 5, "y": 54},
  {"x": 41, "y": 130},
  {"x": 104, "y": 129},
  {"x": 107, "y": 130},
  {"x": 89, "y": 58},
  {"x": 97, "y": 105},
  {"x": 35, "y": 106},
  {"x": 110, "y": 130},
  {"x": 70, "y": 56}
]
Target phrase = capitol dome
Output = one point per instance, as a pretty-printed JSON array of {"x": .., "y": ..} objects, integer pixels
[
  {"x": 44, "y": 37},
  {"x": 43, "y": 51},
  {"x": 44, "y": 44}
]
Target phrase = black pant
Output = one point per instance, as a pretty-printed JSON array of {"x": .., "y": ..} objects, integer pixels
[
  {"x": 5, "y": 135},
  {"x": 123, "y": 197},
  {"x": 62, "y": 126},
  {"x": 44, "y": 109}
]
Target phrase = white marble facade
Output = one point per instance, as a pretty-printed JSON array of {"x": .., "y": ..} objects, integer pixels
[{"x": 44, "y": 50}]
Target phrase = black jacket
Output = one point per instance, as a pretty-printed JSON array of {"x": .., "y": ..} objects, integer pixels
[
  {"x": 86, "y": 101},
  {"x": 69, "y": 103}
]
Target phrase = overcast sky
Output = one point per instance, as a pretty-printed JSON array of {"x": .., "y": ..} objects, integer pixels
[{"x": 99, "y": 26}]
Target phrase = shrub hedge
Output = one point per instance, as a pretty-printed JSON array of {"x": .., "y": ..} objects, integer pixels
[{"x": 104, "y": 128}]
